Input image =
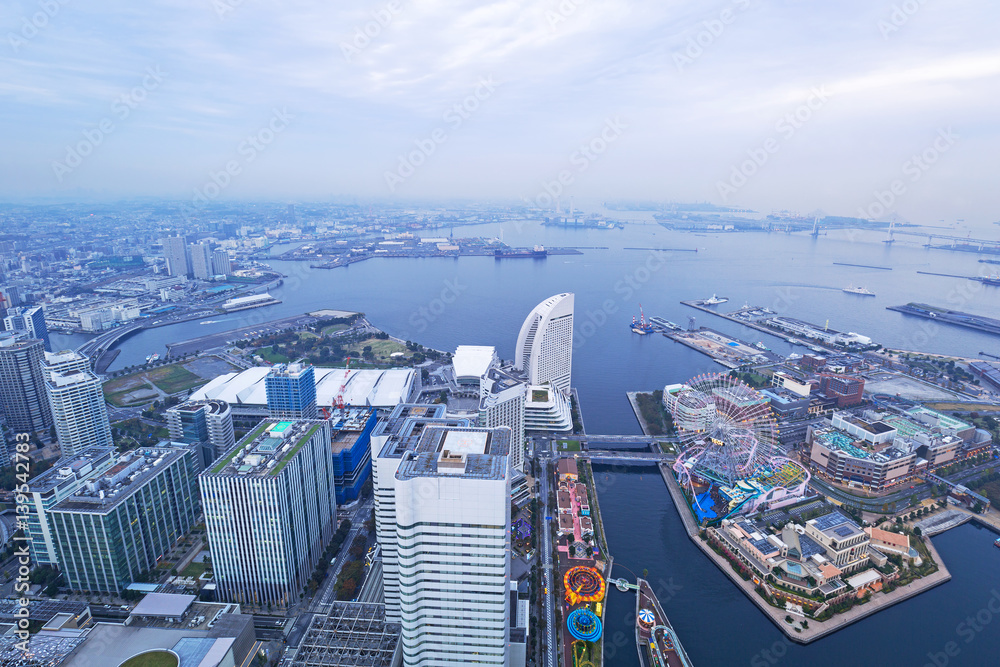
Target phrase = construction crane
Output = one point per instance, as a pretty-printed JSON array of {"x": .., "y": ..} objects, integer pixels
[{"x": 339, "y": 401}]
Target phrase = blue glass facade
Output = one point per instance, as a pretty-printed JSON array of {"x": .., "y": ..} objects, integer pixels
[{"x": 291, "y": 392}]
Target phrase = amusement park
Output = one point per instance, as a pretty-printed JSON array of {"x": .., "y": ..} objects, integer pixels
[
  {"x": 730, "y": 463},
  {"x": 584, "y": 568}
]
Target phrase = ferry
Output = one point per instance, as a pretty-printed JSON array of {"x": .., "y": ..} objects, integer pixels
[
  {"x": 715, "y": 300},
  {"x": 860, "y": 291}
]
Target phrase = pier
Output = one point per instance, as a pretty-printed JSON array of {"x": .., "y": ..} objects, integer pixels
[
  {"x": 654, "y": 633},
  {"x": 955, "y": 317}
]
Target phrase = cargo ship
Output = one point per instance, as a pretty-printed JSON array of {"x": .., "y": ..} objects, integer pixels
[
  {"x": 538, "y": 252},
  {"x": 860, "y": 291}
]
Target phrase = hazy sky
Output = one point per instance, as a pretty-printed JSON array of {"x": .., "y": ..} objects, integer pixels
[{"x": 830, "y": 101}]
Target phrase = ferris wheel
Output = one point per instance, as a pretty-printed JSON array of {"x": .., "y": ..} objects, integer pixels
[{"x": 727, "y": 430}]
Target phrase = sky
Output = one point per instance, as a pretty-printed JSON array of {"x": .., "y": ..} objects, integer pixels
[{"x": 855, "y": 107}]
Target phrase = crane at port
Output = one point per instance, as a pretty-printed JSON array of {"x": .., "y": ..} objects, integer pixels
[{"x": 339, "y": 401}]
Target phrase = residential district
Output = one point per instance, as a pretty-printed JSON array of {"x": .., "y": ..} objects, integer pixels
[{"x": 312, "y": 491}]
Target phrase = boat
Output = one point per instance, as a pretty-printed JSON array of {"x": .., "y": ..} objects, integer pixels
[
  {"x": 149, "y": 358},
  {"x": 642, "y": 327},
  {"x": 715, "y": 300},
  {"x": 997, "y": 543},
  {"x": 759, "y": 345},
  {"x": 155, "y": 356},
  {"x": 991, "y": 280},
  {"x": 860, "y": 291}
]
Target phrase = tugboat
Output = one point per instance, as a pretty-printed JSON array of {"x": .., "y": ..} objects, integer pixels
[
  {"x": 642, "y": 327},
  {"x": 715, "y": 300},
  {"x": 860, "y": 291}
]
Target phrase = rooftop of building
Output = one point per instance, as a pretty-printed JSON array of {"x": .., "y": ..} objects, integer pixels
[
  {"x": 70, "y": 468},
  {"x": 364, "y": 388},
  {"x": 213, "y": 406},
  {"x": 62, "y": 357},
  {"x": 69, "y": 378},
  {"x": 844, "y": 442},
  {"x": 407, "y": 423},
  {"x": 877, "y": 427},
  {"x": 835, "y": 526},
  {"x": 471, "y": 453},
  {"x": 346, "y": 634},
  {"x": 103, "y": 491},
  {"x": 472, "y": 361},
  {"x": 265, "y": 450},
  {"x": 943, "y": 420}
]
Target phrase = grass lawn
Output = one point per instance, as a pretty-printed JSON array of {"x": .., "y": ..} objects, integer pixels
[
  {"x": 963, "y": 407},
  {"x": 152, "y": 659},
  {"x": 174, "y": 378},
  {"x": 267, "y": 354},
  {"x": 568, "y": 445},
  {"x": 539, "y": 395},
  {"x": 194, "y": 570},
  {"x": 382, "y": 349}
]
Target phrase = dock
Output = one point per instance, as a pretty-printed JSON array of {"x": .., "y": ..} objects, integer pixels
[
  {"x": 655, "y": 639},
  {"x": 955, "y": 317},
  {"x": 726, "y": 350}
]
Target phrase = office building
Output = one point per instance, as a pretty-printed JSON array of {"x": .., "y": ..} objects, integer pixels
[
  {"x": 351, "y": 430},
  {"x": 10, "y": 295},
  {"x": 58, "y": 482},
  {"x": 443, "y": 521},
  {"x": 207, "y": 424},
  {"x": 453, "y": 532},
  {"x": 30, "y": 321},
  {"x": 125, "y": 519},
  {"x": 393, "y": 438},
  {"x": 176, "y": 253},
  {"x": 78, "y": 410},
  {"x": 221, "y": 264},
  {"x": 847, "y": 390},
  {"x": 502, "y": 403},
  {"x": 291, "y": 391},
  {"x": 270, "y": 510},
  {"x": 22, "y": 385},
  {"x": 544, "y": 351},
  {"x": 201, "y": 260}
]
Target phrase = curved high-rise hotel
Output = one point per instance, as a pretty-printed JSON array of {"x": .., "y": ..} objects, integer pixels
[{"x": 545, "y": 344}]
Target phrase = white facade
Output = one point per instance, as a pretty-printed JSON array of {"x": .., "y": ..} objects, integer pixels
[
  {"x": 175, "y": 252},
  {"x": 66, "y": 361},
  {"x": 454, "y": 539},
  {"x": 544, "y": 349},
  {"x": 501, "y": 403},
  {"x": 78, "y": 409},
  {"x": 547, "y": 410},
  {"x": 270, "y": 510},
  {"x": 201, "y": 260}
]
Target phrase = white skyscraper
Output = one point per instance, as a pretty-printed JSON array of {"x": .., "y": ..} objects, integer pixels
[
  {"x": 78, "y": 409},
  {"x": 201, "y": 260},
  {"x": 502, "y": 399},
  {"x": 176, "y": 253},
  {"x": 545, "y": 343},
  {"x": 65, "y": 361},
  {"x": 442, "y": 511}
]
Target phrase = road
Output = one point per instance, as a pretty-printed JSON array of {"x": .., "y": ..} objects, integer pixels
[
  {"x": 326, "y": 593},
  {"x": 897, "y": 501},
  {"x": 551, "y": 649}
]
